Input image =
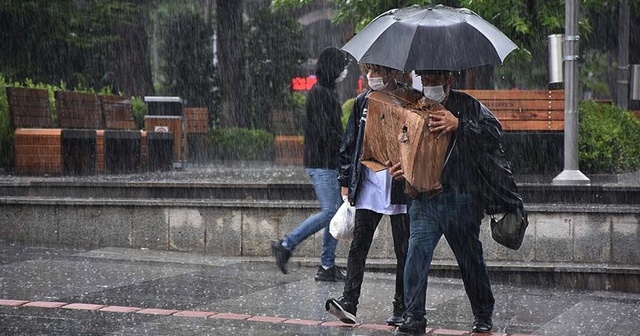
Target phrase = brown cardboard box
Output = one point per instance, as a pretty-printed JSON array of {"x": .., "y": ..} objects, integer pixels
[{"x": 396, "y": 130}]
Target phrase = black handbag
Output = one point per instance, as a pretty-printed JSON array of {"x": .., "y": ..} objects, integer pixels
[
  {"x": 499, "y": 194},
  {"x": 509, "y": 230}
]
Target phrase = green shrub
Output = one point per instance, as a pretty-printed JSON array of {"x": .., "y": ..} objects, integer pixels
[
  {"x": 296, "y": 102},
  {"x": 609, "y": 139},
  {"x": 139, "y": 110},
  {"x": 346, "y": 111},
  {"x": 240, "y": 144}
]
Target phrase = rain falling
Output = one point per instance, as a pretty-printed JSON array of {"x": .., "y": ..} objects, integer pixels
[{"x": 182, "y": 167}]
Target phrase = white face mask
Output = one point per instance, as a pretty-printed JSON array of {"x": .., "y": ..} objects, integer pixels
[
  {"x": 376, "y": 83},
  {"x": 434, "y": 92},
  {"x": 342, "y": 76}
]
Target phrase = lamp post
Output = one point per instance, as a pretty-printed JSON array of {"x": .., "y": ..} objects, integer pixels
[
  {"x": 622, "y": 92},
  {"x": 571, "y": 175}
]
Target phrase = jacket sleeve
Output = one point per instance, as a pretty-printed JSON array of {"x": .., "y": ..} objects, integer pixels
[
  {"x": 348, "y": 145},
  {"x": 481, "y": 127}
]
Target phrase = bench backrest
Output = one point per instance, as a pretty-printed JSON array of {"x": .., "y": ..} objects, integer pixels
[
  {"x": 197, "y": 119},
  {"x": 29, "y": 108},
  {"x": 117, "y": 113},
  {"x": 525, "y": 110},
  {"x": 78, "y": 110}
]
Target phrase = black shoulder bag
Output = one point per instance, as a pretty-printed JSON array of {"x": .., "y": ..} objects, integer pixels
[{"x": 500, "y": 195}]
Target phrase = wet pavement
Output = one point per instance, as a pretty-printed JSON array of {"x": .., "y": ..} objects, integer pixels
[{"x": 120, "y": 291}]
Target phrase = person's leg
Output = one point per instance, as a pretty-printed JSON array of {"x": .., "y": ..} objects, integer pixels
[
  {"x": 345, "y": 307},
  {"x": 400, "y": 233},
  {"x": 462, "y": 230},
  {"x": 327, "y": 190},
  {"x": 366, "y": 222},
  {"x": 424, "y": 234}
]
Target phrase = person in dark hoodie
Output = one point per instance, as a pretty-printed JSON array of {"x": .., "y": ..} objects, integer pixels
[
  {"x": 322, "y": 138},
  {"x": 374, "y": 194}
]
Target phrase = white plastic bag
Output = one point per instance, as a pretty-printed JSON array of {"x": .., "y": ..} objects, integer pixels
[{"x": 342, "y": 223}]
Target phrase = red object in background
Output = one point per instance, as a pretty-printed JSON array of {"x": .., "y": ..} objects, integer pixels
[{"x": 305, "y": 83}]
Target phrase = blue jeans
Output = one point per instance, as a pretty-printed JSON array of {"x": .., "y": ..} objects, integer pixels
[
  {"x": 327, "y": 189},
  {"x": 457, "y": 217}
]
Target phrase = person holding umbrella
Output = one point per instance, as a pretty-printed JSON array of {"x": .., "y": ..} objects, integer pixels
[
  {"x": 322, "y": 138},
  {"x": 456, "y": 212},
  {"x": 373, "y": 194}
]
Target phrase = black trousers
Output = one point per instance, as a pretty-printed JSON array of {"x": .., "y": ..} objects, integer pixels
[{"x": 366, "y": 222}]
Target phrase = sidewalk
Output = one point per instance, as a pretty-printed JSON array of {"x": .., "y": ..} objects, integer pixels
[
  {"x": 119, "y": 291},
  {"x": 262, "y": 172}
]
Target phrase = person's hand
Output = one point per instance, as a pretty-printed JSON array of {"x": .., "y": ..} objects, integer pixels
[
  {"x": 442, "y": 122},
  {"x": 345, "y": 193},
  {"x": 395, "y": 170}
]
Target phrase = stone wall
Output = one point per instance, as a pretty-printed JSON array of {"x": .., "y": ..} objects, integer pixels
[{"x": 608, "y": 235}]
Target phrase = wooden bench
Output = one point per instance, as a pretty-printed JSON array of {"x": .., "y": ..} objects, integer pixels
[
  {"x": 289, "y": 150},
  {"x": 196, "y": 129},
  {"x": 79, "y": 117},
  {"x": 78, "y": 110},
  {"x": 117, "y": 113},
  {"x": 525, "y": 110},
  {"x": 533, "y": 127},
  {"x": 37, "y": 145}
]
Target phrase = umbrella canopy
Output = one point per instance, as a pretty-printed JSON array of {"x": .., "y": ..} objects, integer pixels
[{"x": 430, "y": 38}]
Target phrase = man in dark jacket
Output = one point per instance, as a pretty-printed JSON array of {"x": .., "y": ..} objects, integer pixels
[
  {"x": 322, "y": 138},
  {"x": 456, "y": 212},
  {"x": 373, "y": 194}
]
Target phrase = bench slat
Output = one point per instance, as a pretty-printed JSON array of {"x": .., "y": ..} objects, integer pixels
[
  {"x": 533, "y": 125},
  {"x": 529, "y": 115},
  {"x": 524, "y": 105},
  {"x": 516, "y": 94}
]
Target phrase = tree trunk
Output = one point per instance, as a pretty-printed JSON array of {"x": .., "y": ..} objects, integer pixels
[
  {"x": 231, "y": 63},
  {"x": 130, "y": 60}
]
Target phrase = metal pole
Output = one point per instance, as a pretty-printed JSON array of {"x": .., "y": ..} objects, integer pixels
[
  {"x": 622, "y": 94},
  {"x": 571, "y": 175}
]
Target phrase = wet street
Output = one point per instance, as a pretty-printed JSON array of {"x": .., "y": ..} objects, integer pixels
[{"x": 120, "y": 291}]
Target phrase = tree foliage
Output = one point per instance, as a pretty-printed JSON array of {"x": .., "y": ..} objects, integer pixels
[
  {"x": 66, "y": 40},
  {"x": 189, "y": 72},
  {"x": 527, "y": 23},
  {"x": 274, "y": 55}
]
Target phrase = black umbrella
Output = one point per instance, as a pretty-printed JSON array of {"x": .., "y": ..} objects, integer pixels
[{"x": 430, "y": 38}]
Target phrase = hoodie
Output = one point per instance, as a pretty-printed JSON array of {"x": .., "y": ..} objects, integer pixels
[{"x": 323, "y": 127}]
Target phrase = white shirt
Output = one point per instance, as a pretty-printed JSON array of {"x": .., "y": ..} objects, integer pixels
[{"x": 375, "y": 193}]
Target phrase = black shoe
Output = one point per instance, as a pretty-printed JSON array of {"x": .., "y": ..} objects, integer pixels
[
  {"x": 413, "y": 325},
  {"x": 482, "y": 326},
  {"x": 333, "y": 274},
  {"x": 282, "y": 255},
  {"x": 344, "y": 310},
  {"x": 397, "y": 317}
]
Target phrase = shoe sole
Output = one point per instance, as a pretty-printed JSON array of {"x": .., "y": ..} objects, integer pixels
[
  {"x": 334, "y": 309},
  {"x": 396, "y": 323}
]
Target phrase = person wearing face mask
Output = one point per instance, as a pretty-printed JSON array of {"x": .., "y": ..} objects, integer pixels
[
  {"x": 322, "y": 138},
  {"x": 374, "y": 194},
  {"x": 456, "y": 211}
]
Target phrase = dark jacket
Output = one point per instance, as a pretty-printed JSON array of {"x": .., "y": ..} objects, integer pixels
[
  {"x": 350, "y": 174},
  {"x": 477, "y": 162},
  {"x": 323, "y": 125}
]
